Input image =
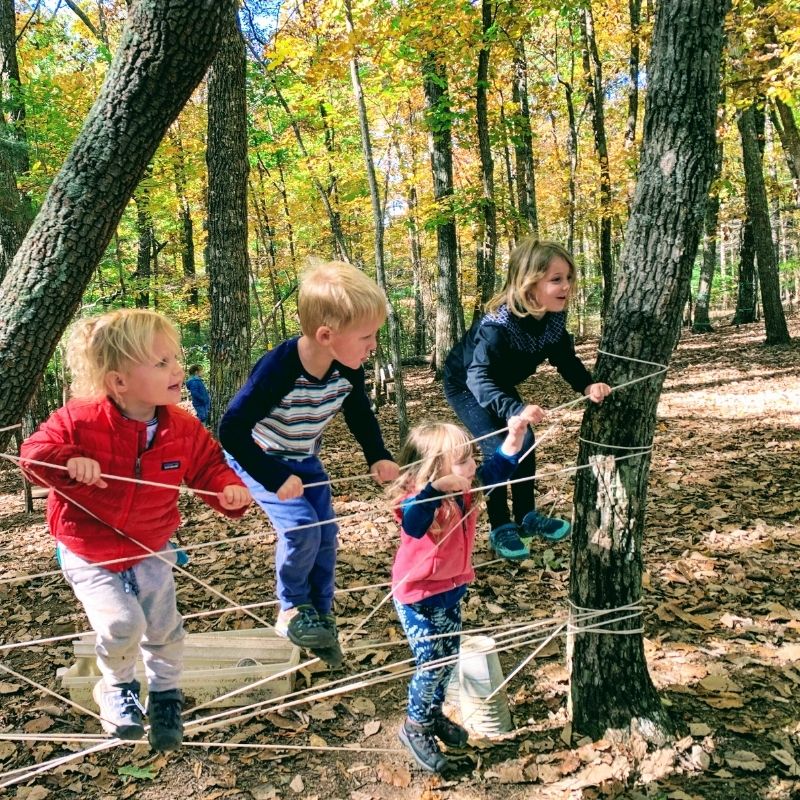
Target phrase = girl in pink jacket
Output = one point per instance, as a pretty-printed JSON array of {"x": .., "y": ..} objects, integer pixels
[
  {"x": 124, "y": 420},
  {"x": 433, "y": 567}
]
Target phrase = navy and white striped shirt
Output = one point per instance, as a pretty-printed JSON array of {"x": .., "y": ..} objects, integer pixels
[{"x": 280, "y": 413}]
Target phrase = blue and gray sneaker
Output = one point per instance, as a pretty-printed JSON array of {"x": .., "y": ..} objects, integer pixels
[
  {"x": 551, "y": 528},
  {"x": 120, "y": 709},
  {"x": 506, "y": 543}
]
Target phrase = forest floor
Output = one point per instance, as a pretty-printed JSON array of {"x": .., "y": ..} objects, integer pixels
[{"x": 722, "y": 621}]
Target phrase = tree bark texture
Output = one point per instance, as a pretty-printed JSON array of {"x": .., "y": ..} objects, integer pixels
[
  {"x": 611, "y": 687},
  {"x": 226, "y": 261},
  {"x": 377, "y": 218},
  {"x": 16, "y": 212},
  {"x": 449, "y": 314},
  {"x": 758, "y": 212},
  {"x": 487, "y": 244},
  {"x": 523, "y": 144},
  {"x": 595, "y": 94},
  {"x": 165, "y": 49},
  {"x": 702, "y": 323}
]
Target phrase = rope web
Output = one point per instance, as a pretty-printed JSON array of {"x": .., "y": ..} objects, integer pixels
[{"x": 520, "y": 634}]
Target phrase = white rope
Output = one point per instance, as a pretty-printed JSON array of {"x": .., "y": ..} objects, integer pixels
[{"x": 10, "y": 427}]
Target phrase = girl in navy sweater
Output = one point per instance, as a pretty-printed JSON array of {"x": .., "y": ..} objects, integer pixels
[{"x": 525, "y": 325}]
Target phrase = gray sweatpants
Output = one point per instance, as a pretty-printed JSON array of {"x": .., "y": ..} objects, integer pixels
[{"x": 129, "y": 610}]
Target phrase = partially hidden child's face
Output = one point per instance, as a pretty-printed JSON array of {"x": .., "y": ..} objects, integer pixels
[
  {"x": 551, "y": 291},
  {"x": 156, "y": 382},
  {"x": 352, "y": 346},
  {"x": 464, "y": 466}
]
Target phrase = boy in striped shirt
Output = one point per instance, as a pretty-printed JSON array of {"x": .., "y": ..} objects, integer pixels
[{"x": 272, "y": 432}]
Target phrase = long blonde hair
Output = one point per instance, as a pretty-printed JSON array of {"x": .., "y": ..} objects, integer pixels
[
  {"x": 110, "y": 343},
  {"x": 527, "y": 265},
  {"x": 431, "y": 448}
]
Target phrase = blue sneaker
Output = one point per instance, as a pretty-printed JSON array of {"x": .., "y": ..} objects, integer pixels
[
  {"x": 506, "y": 543},
  {"x": 551, "y": 528}
]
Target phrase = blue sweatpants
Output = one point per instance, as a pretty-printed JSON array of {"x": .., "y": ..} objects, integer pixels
[
  {"x": 427, "y": 688},
  {"x": 305, "y": 562}
]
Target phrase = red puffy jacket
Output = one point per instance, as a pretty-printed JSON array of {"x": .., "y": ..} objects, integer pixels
[
  {"x": 181, "y": 452},
  {"x": 439, "y": 561}
]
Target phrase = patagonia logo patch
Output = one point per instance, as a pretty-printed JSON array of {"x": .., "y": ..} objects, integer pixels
[{"x": 170, "y": 465}]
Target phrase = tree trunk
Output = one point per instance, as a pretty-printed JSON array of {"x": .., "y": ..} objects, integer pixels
[
  {"x": 377, "y": 219},
  {"x": 487, "y": 246},
  {"x": 702, "y": 323},
  {"x": 786, "y": 126},
  {"x": 226, "y": 262},
  {"x": 758, "y": 212},
  {"x": 186, "y": 238},
  {"x": 165, "y": 49},
  {"x": 523, "y": 143},
  {"x": 635, "y": 16},
  {"x": 449, "y": 314},
  {"x": 144, "y": 250},
  {"x": 610, "y": 686},
  {"x": 16, "y": 212},
  {"x": 511, "y": 216},
  {"x": 595, "y": 94}
]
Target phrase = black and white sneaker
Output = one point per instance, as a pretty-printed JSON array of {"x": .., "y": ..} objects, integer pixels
[{"x": 120, "y": 709}]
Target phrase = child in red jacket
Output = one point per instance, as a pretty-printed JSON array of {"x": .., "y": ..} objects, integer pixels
[
  {"x": 433, "y": 567},
  {"x": 123, "y": 420}
]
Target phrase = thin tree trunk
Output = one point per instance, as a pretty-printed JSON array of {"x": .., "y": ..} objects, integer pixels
[
  {"x": 186, "y": 237},
  {"x": 635, "y": 17},
  {"x": 513, "y": 215},
  {"x": 784, "y": 122},
  {"x": 145, "y": 236},
  {"x": 16, "y": 211},
  {"x": 165, "y": 49},
  {"x": 449, "y": 314},
  {"x": 487, "y": 246},
  {"x": 610, "y": 686},
  {"x": 595, "y": 94},
  {"x": 377, "y": 220},
  {"x": 523, "y": 143},
  {"x": 758, "y": 211},
  {"x": 702, "y": 322}
]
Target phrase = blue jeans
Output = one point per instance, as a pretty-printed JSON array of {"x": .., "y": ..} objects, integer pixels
[
  {"x": 479, "y": 421},
  {"x": 427, "y": 688},
  {"x": 305, "y": 561}
]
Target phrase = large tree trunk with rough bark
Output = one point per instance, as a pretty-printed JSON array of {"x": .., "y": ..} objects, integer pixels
[
  {"x": 449, "y": 314},
  {"x": 610, "y": 686},
  {"x": 758, "y": 212},
  {"x": 164, "y": 51},
  {"x": 226, "y": 258}
]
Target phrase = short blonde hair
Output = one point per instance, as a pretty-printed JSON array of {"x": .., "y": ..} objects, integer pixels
[
  {"x": 431, "y": 448},
  {"x": 527, "y": 265},
  {"x": 338, "y": 295},
  {"x": 110, "y": 343}
]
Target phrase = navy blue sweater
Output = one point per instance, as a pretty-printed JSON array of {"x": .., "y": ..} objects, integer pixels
[
  {"x": 280, "y": 413},
  {"x": 501, "y": 350}
]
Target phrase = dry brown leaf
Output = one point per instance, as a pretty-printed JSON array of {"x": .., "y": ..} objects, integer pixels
[
  {"x": 317, "y": 741},
  {"x": 297, "y": 784},
  {"x": 371, "y": 728},
  {"x": 394, "y": 775},
  {"x": 322, "y": 711},
  {"x": 38, "y": 725},
  {"x": 521, "y": 770},
  {"x": 744, "y": 759}
]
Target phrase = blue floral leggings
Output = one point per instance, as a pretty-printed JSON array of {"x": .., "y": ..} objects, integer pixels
[{"x": 427, "y": 687}]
